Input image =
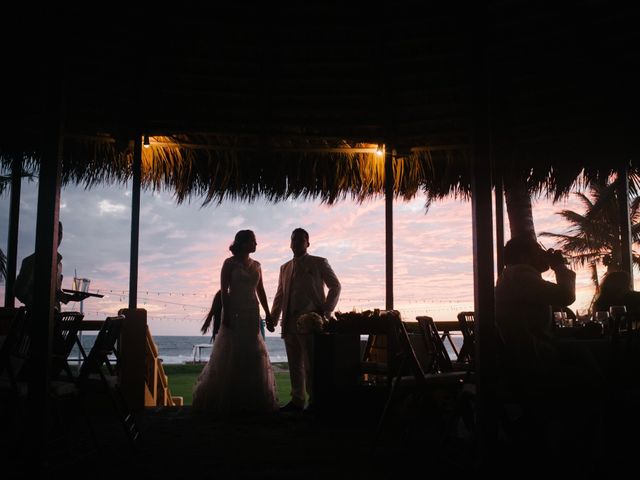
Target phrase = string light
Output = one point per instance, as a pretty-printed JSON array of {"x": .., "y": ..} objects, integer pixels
[{"x": 409, "y": 306}]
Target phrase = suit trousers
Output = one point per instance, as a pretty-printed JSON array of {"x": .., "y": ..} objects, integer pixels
[{"x": 300, "y": 357}]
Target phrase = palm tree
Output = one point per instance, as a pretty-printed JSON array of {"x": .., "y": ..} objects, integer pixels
[
  {"x": 519, "y": 209},
  {"x": 592, "y": 238}
]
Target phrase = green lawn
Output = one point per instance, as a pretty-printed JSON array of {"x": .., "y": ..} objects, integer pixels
[{"x": 182, "y": 377}]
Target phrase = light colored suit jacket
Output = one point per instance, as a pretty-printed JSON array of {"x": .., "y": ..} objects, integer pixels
[{"x": 313, "y": 274}]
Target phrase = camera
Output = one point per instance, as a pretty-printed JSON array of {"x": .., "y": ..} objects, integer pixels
[{"x": 555, "y": 257}]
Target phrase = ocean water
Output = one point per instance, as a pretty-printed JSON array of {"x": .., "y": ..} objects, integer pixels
[{"x": 180, "y": 349}]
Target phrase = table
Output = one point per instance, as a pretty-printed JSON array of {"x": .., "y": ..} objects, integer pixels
[
  {"x": 197, "y": 352},
  {"x": 615, "y": 356},
  {"x": 339, "y": 369},
  {"x": 336, "y": 366}
]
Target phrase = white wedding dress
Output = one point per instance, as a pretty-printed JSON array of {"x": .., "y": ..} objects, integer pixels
[{"x": 238, "y": 377}]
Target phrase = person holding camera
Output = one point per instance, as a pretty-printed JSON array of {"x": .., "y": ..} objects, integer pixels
[
  {"x": 524, "y": 299},
  {"x": 539, "y": 369}
]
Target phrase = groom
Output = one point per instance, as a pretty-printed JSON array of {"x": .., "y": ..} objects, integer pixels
[{"x": 301, "y": 290}]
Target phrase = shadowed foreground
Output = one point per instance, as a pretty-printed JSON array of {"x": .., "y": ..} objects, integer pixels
[{"x": 176, "y": 443}]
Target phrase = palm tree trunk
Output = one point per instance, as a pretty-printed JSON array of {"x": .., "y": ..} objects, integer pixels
[
  {"x": 519, "y": 211},
  {"x": 593, "y": 267}
]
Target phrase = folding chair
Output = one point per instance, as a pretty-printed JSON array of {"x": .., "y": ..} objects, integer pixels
[
  {"x": 381, "y": 335},
  {"x": 97, "y": 375},
  {"x": 65, "y": 336},
  {"x": 410, "y": 379},
  {"x": 14, "y": 356},
  {"x": 440, "y": 360},
  {"x": 467, "y": 327}
]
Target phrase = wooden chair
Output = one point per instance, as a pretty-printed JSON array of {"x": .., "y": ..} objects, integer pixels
[
  {"x": 441, "y": 362},
  {"x": 380, "y": 359},
  {"x": 14, "y": 355},
  {"x": 411, "y": 379},
  {"x": 14, "y": 361},
  {"x": 467, "y": 327},
  {"x": 18, "y": 342},
  {"x": 65, "y": 336},
  {"x": 98, "y": 376}
]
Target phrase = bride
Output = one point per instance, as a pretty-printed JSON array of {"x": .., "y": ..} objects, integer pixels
[{"x": 238, "y": 377}]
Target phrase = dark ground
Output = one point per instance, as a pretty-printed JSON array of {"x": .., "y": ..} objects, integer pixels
[{"x": 176, "y": 443}]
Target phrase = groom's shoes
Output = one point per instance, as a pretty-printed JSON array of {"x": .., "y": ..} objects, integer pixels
[{"x": 291, "y": 408}]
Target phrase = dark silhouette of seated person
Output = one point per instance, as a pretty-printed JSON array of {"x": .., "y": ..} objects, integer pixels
[
  {"x": 524, "y": 302},
  {"x": 542, "y": 372},
  {"x": 25, "y": 281},
  {"x": 615, "y": 289}
]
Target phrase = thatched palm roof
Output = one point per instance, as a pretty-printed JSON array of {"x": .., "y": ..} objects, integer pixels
[{"x": 240, "y": 102}]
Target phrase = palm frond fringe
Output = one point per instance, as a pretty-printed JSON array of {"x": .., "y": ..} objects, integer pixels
[{"x": 219, "y": 167}]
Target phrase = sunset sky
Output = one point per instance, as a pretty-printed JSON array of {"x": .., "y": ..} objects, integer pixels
[{"x": 182, "y": 248}]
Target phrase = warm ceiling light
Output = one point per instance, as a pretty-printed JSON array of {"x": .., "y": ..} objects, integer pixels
[
  {"x": 380, "y": 150},
  {"x": 145, "y": 142}
]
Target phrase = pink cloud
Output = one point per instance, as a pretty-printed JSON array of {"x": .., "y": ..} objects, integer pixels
[{"x": 182, "y": 249}]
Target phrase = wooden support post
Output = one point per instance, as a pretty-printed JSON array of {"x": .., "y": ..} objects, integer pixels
[
  {"x": 132, "y": 356},
  {"x": 482, "y": 225},
  {"x": 388, "y": 227},
  {"x": 135, "y": 223},
  {"x": 12, "y": 241},
  {"x": 45, "y": 257}
]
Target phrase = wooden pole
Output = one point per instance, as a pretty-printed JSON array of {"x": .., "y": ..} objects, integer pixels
[
  {"x": 482, "y": 225},
  {"x": 12, "y": 241},
  {"x": 41, "y": 313},
  {"x": 135, "y": 222},
  {"x": 388, "y": 226}
]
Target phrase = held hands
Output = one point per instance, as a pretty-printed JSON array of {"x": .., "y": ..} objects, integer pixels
[
  {"x": 325, "y": 315},
  {"x": 270, "y": 323}
]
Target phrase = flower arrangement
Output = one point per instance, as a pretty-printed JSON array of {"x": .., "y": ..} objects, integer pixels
[
  {"x": 370, "y": 321},
  {"x": 310, "y": 323}
]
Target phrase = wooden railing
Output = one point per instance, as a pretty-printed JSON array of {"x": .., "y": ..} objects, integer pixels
[
  {"x": 143, "y": 380},
  {"x": 156, "y": 385}
]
